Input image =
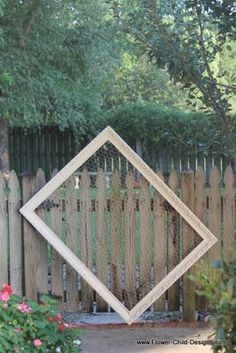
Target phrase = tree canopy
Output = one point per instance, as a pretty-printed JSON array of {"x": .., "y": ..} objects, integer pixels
[
  {"x": 70, "y": 62},
  {"x": 55, "y": 57}
]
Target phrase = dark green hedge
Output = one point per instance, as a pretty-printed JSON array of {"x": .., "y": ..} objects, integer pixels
[{"x": 166, "y": 127}]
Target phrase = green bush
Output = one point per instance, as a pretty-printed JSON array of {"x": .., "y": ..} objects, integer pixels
[
  {"x": 166, "y": 127},
  {"x": 218, "y": 285},
  {"x": 26, "y": 326}
]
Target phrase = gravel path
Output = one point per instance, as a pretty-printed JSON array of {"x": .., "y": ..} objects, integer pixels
[{"x": 125, "y": 340}]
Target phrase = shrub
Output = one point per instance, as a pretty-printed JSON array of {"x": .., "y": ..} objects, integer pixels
[
  {"x": 218, "y": 285},
  {"x": 26, "y": 326}
]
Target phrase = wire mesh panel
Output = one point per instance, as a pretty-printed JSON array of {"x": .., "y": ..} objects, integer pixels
[{"x": 122, "y": 229}]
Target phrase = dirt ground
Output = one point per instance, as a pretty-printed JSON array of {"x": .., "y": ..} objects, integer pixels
[{"x": 158, "y": 339}]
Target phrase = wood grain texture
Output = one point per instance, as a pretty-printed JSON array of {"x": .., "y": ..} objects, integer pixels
[
  {"x": 3, "y": 233},
  {"x": 215, "y": 213},
  {"x": 229, "y": 213},
  {"x": 130, "y": 242},
  {"x": 86, "y": 238},
  {"x": 173, "y": 223},
  {"x": 101, "y": 251},
  {"x": 30, "y": 244},
  {"x": 15, "y": 233},
  {"x": 42, "y": 245},
  {"x": 57, "y": 260},
  {"x": 116, "y": 231},
  {"x": 200, "y": 212},
  {"x": 159, "y": 261},
  {"x": 188, "y": 246},
  {"x": 145, "y": 238},
  {"x": 72, "y": 242}
]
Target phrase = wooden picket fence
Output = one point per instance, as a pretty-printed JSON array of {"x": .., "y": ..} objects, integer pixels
[
  {"x": 49, "y": 148},
  {"x": 154, "y": 238}
]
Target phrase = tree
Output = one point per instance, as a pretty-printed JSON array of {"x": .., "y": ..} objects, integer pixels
[
  {"x": 186, "y": 37},
  {"x": 138, "y": 80},
  {"x": 55, "y": 56}
]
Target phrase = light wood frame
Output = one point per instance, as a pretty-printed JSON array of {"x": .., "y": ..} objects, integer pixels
[{"x": 108, "y": 134}]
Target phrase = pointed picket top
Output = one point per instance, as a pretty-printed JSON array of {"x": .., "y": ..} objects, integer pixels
[
  {"x": 110, "y": 135},
  {"x": 173, "y": 180},
  {"x": 2, "y": 182},
  {"x": 13, "y": 182},
  {"x": 229, "y": 178}
]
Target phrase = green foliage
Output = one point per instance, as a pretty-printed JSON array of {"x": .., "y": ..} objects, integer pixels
[
  {"x": 138, "y": 80},
  {"x": 26, "y": 326},
  {"x": 167, "y": 127},
  {"x": 218, "y": 285},
  {"x": 186, "y": 37},
  {"x": 55, "y": 57}
]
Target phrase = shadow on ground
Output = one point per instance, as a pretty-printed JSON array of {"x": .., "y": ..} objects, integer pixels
[{"x": 147, "y": 340}]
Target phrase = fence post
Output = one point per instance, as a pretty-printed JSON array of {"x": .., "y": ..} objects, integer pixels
[
  {"x": 3, "y": 233},
  {"x": 229, "y": 213},
  {"x": 188, "y": 245},
  {"x": 101, "y": 251},
  {"x": 15, "y": 233}
]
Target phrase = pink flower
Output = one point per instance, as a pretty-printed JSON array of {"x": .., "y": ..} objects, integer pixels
[
  {"x": 24, "y": 308},
  {"x": 7, "y": 288},
  {"x": 37, "y": 342},
  {"x": 4, "y": 296},
  {"x": 61, "y": 327},
  {"x": 59, "y": 317},
  {"x": 18, "y": 330},
  {"x": 5, "y": 293}
]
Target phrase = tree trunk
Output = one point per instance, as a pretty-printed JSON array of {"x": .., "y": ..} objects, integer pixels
[{"x": 4, "y": 151}]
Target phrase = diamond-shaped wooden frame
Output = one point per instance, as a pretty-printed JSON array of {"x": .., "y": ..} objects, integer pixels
[{"x": 110, "y": 135}]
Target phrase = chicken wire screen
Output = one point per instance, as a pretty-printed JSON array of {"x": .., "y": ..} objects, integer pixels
[
  {"x": 121, "y": 228},
  {"x": 105, "y": 222}
]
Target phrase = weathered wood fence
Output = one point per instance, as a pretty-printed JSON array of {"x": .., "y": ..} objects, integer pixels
[
  {"x": 50, "y": 148},
  {"x": 127, "y": 234}
]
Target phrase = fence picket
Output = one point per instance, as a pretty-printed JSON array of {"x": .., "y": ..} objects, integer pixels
[
  {"x": 215, "y": 213},
  {"x": 229, "y": 213},
  {"x": 42, "y": 245},
  {"x": 116, "y": 228},
  {"x": 101, "y": 253},
  {"x": 159, "y": 261},
  {"x": 15, "y": 233},
  {"x": 86, "y": 238},
  {"x": 188, "y": 245},
  {"x": 71, "y": 242},
  {"x": 145, "y": 238},
  {"x": 109, "y": 205},
  {"x": 3, "y": 233},
  {"x": 130, "y": 243},
  {"x": 200, "y": 211},
  {"x": 57, "y": 260},
  {"x": 173, "y": 223},
  {"x": 30, "y": 244}
]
